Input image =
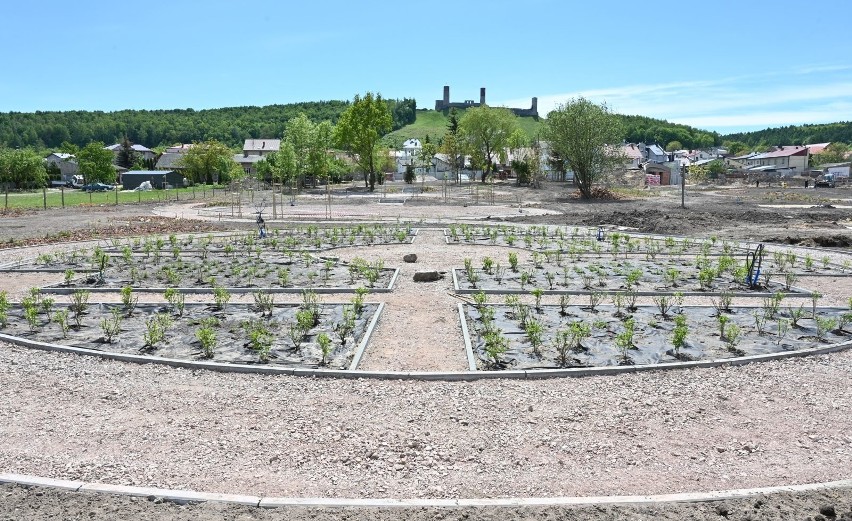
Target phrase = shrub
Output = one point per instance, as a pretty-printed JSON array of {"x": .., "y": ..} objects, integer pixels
[
  {"x": 79, "y": 305},
  {"x": 624, "y": 340},
  {"x": 259, "y": 338},
  {"x": 4, "y": 309},
  {"x": 128, "y": 300},
  {"x": 679, "y": 334},
  {"x": 220, "y": 297},
  {"x": 513, "y": 262},
  {"x": 155, "y": 329},
  {"x": 206, "y": 336},
  {"x": 537, "y": 293},
  {"x": 346, "y": 326},
  {"x": 264, "y": 303},
  {"x": 732, "y": 337},
  {"x": 824, "y": 325},
  {"x": 534, "y": 331},
  {"x": 61, "y": 319},
  {"x": 495, "y": 347},
  {"x": 325, "y": 345},
  {"x": 111, "y": 326},
  {"x": 722, "y": 303},
  {"x": 176, "y": 299}
]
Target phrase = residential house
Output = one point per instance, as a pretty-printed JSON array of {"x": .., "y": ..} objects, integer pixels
[
  {"x": 407, "y": 156},
  {"x": 655, "y": 154},
  {"x": 143, "y": 151},
  {"x": 66, "y": 163},
  {"x": 182, "y": 148},
  {"x": 817, "y": 148},
  {"x": 249, "y": 162},
  {"x": 792, "y": 157},
  {"x": 261, "y": 147},
  {"x": 633, "y": 155},
  {"x": 170, "y": 161}
]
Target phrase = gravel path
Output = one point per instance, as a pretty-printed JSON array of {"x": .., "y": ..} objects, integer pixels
[{"x": 764, "y": 424}]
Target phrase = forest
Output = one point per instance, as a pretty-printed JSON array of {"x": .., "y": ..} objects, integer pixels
[
  {"x": 153, "y": 128},
  {"x": 796, "y": 135}
]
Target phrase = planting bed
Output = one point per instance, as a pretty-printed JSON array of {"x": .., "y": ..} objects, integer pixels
[
  {"x": 236, "y": 333},
  {"x": 519, "y": 336},
  {"x": 233, "y": 261}
]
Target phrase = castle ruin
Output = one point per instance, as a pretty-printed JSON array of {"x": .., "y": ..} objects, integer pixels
[{"x": 446, "y": 104}]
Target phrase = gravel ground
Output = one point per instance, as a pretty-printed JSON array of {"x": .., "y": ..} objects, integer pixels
[{"x": 774, "y": 423}]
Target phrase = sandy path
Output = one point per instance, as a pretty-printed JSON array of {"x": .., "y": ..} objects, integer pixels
[{"x": 399, "y": 342}]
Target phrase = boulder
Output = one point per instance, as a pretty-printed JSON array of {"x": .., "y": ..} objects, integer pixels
[
  {"x": 428, "y": 276},
  {"x": 410, "y": 258}
]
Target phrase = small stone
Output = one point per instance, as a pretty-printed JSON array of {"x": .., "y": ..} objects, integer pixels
[
  {"x": 427, "y": 276},
  {"x": 828, "y": 511},
  {"x": 720, "y": 449},
  {"x": 723, "y": 510},
  {"x": 410, "y": 258}
]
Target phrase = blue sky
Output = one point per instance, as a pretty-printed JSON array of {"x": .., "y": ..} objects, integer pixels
[{"x": 723, "y": 65}]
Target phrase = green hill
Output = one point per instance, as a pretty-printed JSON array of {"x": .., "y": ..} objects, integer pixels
[{"x": 434, "y": 124}]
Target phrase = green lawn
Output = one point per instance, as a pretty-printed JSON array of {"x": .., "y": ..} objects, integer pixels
[
  {"x": 74, "y": 197},
  {"x": 435, "y": 125}
]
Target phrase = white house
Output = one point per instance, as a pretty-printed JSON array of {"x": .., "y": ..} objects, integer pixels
[{"x": 66, "y": 163}]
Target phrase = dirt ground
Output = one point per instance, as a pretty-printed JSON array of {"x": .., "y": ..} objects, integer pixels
[{"x": 805, "y": 217}]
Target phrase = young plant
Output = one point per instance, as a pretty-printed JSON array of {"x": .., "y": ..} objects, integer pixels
[
  {"x": 325, "y": 345},
  {"x": 723, "y": 322},
  {"x": 61, "y": 319},
  {"x": 79, "y": 305},
  {"x": 111, "y": 326},
  {"x": 679, "y": 334},
  {"x": 155, "y": 329},
  {"x": 564, "y": 301},
  {"x": 722, "y": 303},
  {"x": 128, "y": 300},
  {"x": 346, "y": 326},
  {"x": 264, "y": 303},
  {"x": 796, "y": 315},
  {"x": 206, "y": 336},
  {"x": 69, "y": 277},
  {"x": 760, "y": 321},
  {"x": 537, "y": 293},
  {"x": 624, "y": 340},
  {"x": 176, "y": 299},
  {"x": 513, "y": 262},
  {"x": 259, "y": 338},
  {"x": 358, "y": 300},
  {"x": 814, "y": 301},
  {"x": 595, "y": 298},
  {"x": 220, "y": 297},
  {"x": 824, "y": 325},
  {"x": 534, "y": 331},
  {"x": 4, "y": 309},
  {"x": 495, "y": 347},
  {"x": 732, "y": 337},
  {"x": 783, "y": 326}
]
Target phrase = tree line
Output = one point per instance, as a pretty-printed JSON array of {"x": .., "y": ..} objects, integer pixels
[
  {"x": 154, "y": 128},
  {"x": 795, "y": 135}
]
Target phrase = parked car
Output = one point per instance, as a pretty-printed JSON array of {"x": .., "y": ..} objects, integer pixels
[{"x": 96, "y": 187}]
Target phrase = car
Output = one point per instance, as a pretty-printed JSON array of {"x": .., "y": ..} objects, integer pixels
[{"x": 96, "y": 187}]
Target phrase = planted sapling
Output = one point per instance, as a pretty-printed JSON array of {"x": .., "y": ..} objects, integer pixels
[
  {"x": 325, "y": 345},
  {"x": 111, "y": 326},
  {"x": 679, "y": 334}
]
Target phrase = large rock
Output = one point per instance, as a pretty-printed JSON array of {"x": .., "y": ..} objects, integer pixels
[
  {"x": 428, "y": 276},
  {"x": 410, "y": 258}
]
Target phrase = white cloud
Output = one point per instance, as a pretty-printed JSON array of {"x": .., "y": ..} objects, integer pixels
[{"x": 823, "y": 94}]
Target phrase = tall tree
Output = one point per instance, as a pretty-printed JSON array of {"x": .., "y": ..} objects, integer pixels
[
  {"x": 487, "y": 131},
  {"x": 208, "y": 162},
  {"x": 584, "y": 134},
  {"x": 22, "y": 168},
  {"x": 127, "y": 157},
  {"x": 833, "y": 153},
  {"x": 95, "y": 163},
  {"x": 453, "y": 145},
  {"x": 359, "y": 130}
]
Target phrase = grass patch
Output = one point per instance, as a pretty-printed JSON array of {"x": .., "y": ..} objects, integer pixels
[
  {"x": 74, "y": 197},
  {"x": 434, "y": 124}
]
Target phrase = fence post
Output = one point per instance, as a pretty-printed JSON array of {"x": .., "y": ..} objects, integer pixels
[
  {"x": 62, "y": 191},
  {"x": 44, "y": 197}
]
